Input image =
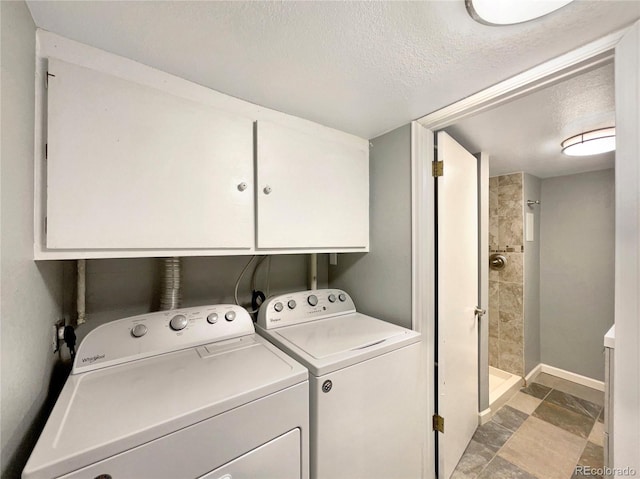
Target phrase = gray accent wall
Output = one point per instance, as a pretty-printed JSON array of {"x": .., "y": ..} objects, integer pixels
[
  {"x": 118, "y": 288},
  {"x": 577, "y": 270},
  {"x": 30, "y": 292},
  {"x": 380, "y": 281},
  {"x": 532, "y": 191}
]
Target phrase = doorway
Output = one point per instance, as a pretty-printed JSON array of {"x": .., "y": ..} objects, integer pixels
[
  {"x": 550, "y": 232},
  {"x": 589, "y": 57}
]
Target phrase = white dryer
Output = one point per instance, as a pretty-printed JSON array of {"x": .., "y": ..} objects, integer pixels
[
  {"x": 365, "y": 390},
  {"x": 188, "y": 393}
]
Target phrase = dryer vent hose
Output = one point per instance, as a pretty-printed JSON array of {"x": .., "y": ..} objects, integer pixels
[{"x": 170, "y": 297}]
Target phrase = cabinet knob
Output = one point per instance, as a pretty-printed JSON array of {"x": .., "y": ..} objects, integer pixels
[
  {"x": 242, "y": 186},
  {"x": 267, "y": 190}
]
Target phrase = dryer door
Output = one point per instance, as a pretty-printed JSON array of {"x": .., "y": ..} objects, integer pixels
[{"x": 278, "y": 458}]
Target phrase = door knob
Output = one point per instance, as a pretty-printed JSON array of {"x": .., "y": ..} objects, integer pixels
[{"x": 480, "y": 312}]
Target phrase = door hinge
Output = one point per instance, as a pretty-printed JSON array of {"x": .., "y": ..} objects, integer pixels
[
  {"x": 438, "y": 423},
  {"x": 437, "y": 168}
]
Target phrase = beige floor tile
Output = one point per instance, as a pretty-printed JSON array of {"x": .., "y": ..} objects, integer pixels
[
  {"x": 524, "y": 402},
  {"x": 578, "y": 390},
  {"x": 547, "y": 380},
  {"x": 597, "y": 434},
  {"x": 544, "y": 450}
]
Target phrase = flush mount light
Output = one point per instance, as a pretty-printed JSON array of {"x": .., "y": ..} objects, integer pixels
[
  {"x": 590, "y": 142},
  {"x": 508, "y": 12}
]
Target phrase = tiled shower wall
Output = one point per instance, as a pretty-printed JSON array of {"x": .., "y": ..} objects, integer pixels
[{"x": 506, "y": 291}]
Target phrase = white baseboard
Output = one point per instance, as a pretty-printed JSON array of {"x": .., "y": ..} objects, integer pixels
[
  {"x": 533, "y": 374},
  {"x": 568, "y": 375},
  {"x": 573, "y": 377},
  {"x": 484, "y": 416}
]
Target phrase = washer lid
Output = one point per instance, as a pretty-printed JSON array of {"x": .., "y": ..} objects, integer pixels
[
  {"x": 329, "y": 337},
  {"x": 106, "y": 411},
  {"x": 329, "y": 344}
]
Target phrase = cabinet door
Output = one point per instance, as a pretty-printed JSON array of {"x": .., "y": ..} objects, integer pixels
[
  {"x": 312, "y": 193},
  {"x": 132, "y": 167}
]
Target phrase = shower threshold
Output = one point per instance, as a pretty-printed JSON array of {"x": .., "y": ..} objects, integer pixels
[{"x": 502, "y": 387}]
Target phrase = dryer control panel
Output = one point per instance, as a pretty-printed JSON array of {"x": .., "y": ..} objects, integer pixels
[
  {"x": 304, "y": 306},
  {"x": 161, "y": 332}
]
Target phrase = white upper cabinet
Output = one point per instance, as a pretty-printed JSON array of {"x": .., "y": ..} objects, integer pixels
[
  {"x": 133, "y": 162},
  {"x": 311, "y": 192},
  {"x": 130, "y": 167}
]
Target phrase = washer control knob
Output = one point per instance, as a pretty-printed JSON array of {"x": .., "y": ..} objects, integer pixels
[
  {"x": 178, "y": 322},
  {"x": 230, "y": 315},
  {"x": 212, "y": 318},
  {"x": 332, "y": 298},
  {"x": 278, "y": 306},
  {"x": 342, "y": 297},
  {"x": 312, "y": 300},
  {"x": 138, "y": 330},
  {"x": 291, "y": 304}
]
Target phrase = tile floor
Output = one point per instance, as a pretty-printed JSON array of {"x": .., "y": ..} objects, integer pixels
[{"x": 544, "y": 432}]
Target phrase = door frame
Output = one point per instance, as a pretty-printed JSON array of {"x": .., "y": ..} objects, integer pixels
[{"x": 571, "y": 64}]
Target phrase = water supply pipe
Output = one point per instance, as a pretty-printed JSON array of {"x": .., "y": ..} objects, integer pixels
[
  {"x": 81, "y": 291},
  {"x": 313, "y": 271}
]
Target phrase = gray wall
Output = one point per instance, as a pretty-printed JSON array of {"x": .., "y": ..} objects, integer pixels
[
  {"x": 577, "y": 270},
  {"x": 31, "y": 293},
  {"x": 532, "y": 191},
  {"x": 117, "y": 288},
  {"x": 380, "y": 281}
]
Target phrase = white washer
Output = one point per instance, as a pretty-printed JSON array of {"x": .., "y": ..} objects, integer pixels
[
  {"x": 187, "y": 393},
  {"x": 364, "y": 384}
]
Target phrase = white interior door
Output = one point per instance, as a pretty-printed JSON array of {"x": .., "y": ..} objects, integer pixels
[{"x": 457, "y": 295}]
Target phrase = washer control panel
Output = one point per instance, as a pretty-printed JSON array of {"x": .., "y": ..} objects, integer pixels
[
  {"x": 157, "y": 333},
  {"x": 303, "y": 306}
]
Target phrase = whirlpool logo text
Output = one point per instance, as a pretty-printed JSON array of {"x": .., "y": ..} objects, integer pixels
[{"x": 92, "y": 359}]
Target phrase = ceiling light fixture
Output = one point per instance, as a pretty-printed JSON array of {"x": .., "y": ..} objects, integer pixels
[
  {"x": 590, "y": 142},
  {"x": 508, "y": 12}
]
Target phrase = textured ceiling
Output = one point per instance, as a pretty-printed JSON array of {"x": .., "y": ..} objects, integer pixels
[
  {"x": 525, "y": 134},
  {"x": 361, "y": 67}
]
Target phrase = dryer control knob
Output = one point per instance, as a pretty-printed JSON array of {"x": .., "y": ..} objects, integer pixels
[
  {"x": 342, "y": 297},
  {"x": 278, "y": 307},
  {"x": 332, "y": 298},
  {"x": 292, "y": 304},
  {"x": 212, "y": 318},
  {"x": 138, "y": 330},
  {"x": 178, "y": 322},
  {"x": 312, "y": 300},
  {"x": 230, "y": 315}
]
